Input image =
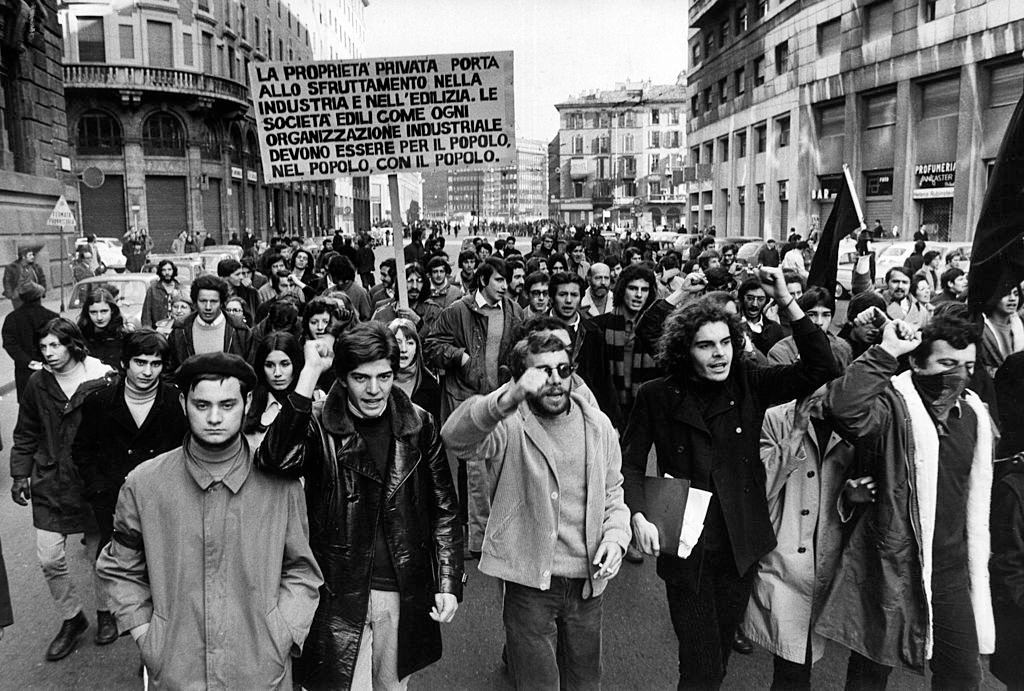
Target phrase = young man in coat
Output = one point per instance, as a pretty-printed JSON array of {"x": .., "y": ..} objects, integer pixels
[
  {"x": 705, "y": 419},
  {"x": 558, "y": 527},
  {"x": 209, "y": 568},
  {"x": 468, "y": 344},
  {"x": 44, "y": 471},
  {"x": 383, "y": 512},
  {"x": 913, "y": 581},
  {"x": 209, "y": 329},
  {"x": 129, "y": 421}
]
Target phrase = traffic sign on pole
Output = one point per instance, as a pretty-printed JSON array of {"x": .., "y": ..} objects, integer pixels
[{"x": 62, "y": 215}]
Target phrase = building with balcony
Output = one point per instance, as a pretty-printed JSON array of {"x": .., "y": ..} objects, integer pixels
[
  {"x": 35, "y": 157},
  {"x": 620, "y": 157},
  {"x": 158, "y": 99},
  {"x": 912, "y": 95}
]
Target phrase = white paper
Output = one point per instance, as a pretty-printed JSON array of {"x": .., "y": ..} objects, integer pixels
[{"x": 697, "y": 501}]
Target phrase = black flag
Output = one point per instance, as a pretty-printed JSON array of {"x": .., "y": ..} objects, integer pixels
[
  {"x": 997, "y": 257},
  {"x": 841, "y": 222}
]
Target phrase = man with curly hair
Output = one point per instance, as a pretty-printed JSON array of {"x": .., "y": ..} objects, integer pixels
[{"x": 704, "y": 419}]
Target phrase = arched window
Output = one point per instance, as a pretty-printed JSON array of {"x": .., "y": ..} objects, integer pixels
[
  {"x": 162, "y": 135},
  {"x": 236, "y": 145},
  {"x": 98, "y": 134},
  {"x": 655, "y": 217},
  {"x": 210, "y": 149},
  {"x": 252, "y": 152}
]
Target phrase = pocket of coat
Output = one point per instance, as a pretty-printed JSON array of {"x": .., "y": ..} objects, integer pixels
[
  {"x": 153, "y": 644},
  {"x": 280, "y": 634}
]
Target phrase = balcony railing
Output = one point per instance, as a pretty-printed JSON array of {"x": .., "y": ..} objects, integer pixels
[{"x": 89, "y": 76}]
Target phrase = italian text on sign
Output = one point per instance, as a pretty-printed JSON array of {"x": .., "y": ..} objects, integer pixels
[{"x": 322, "y": 120}]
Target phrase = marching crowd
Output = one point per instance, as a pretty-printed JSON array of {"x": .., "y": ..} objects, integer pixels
[{"x": 283, "y": 470}]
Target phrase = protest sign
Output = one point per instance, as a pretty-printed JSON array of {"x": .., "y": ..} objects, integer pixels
[{"x": 323, "y": 120}]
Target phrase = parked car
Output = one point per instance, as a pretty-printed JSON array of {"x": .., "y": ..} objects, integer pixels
[
  {"x": 109, "y": 251},
  {"x": 130, "y": 290},
  {"x": 189, "y": 266},
  {"x": 896, "y": 254},
  {"x": 234, "y": 250}
]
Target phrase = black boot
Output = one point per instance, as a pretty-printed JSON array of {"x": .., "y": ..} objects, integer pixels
[
  {"x": 67, "y": 638},
  {"x": 106, "y": 628}
]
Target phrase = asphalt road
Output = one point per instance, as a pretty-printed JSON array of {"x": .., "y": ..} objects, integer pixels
[{"x": 639, "y": 644}]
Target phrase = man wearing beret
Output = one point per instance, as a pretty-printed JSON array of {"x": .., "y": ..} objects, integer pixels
[{"x": 209, "y": 567}]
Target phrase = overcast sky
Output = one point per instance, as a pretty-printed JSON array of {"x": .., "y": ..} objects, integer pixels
[{"x": 562, "y": 47}]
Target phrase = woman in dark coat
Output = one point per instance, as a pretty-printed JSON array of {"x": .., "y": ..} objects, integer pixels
[
  {"x": 413, "y": 377},
  {"x": 103, "y": 327},
  {"x": 278, "y": 361}
]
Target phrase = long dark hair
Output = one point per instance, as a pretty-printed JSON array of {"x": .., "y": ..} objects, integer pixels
[
  {"x": 289, "y": 345},
  {"x": 85, "y": 325}
]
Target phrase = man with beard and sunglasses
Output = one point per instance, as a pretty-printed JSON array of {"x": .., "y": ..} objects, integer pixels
[
  {"x": 920, "y": 541},
  {"x": 558, "y": 526}
]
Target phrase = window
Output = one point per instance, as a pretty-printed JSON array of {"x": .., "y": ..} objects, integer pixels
[
  {"x": 628, "y": 143},
  {"x": 709, "y": 44},
  {"x": 210, "y": 145},
  {"x": 878, "y": 183},
  {"x": 161, "y": 52},
  {"x": 695, "y": 155},
  {"x": 126, "y": 39},
  {"x": 784, "y": 189},
  {"x": 782, "y": 57},
  {"x": 604, "y": 120},
  {"x": 91, "y": 44},
  {"x": 880, "y": 110},
  {"x": 655, "y": 116},
  {"x": 674, "y": 139},
  {"x": 695, "y": 105},
  {"x": 878, "y": 20},
  {"x": 186, "y": 46},
  {"x": 761, "y": 137},
  {"x": 270, "y": 43},
  {"x": 741, "y": 19},
  {"x": 831, "y": 120},
  {"x": 762, "y": 9},
  {"x": 741, "y": 145},
  {"x": 207, "y": 53},
  {"x": 695, "y": 52},
  {"x": 759, "y": 71},
  {"x": 709, "y": 152},
  {"x": 98, "y": 134},
  {"x": 829, "y": 37},
  {"x": 782, "y": 130},
  {"x": 940, "y": 98},
  {"x": 760, "y": 193},
  {"x": 204, "y": 5},
  {"x": 231, "y": 62},
  {"x": 241, "y": 20},
  {"x": 595, "y": 145},
  {"x": 673, "y": 116},
  {"x": 739, "y": 79},
  {"x": 723, "y": 33},
  {"x": 1005, "y": 84},
  {"x": 162, "y": 136},
  {"x": 577, "y": 144},
  {"x": 707, "y": 99},
  {"x": 655, "y": 160},
  {"x": 605, "y": 144},
  {"x": 723, "y": 149},
  {"x": 256, "y": 31},
  {"x": 934, "y": 9}
]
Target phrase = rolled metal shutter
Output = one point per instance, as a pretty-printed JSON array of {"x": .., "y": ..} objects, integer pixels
[
  {"x": 250, "y": 206},
  {"x": 236, "y": 192},
  {"x": 880, "y": 208},
  {"x": 103, "y": 208},
  {"x": 211, "y": 209},
  {"x": 167, "y": 209}
]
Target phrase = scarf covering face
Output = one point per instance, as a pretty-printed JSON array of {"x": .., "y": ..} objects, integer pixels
[{"x": 940, "y": 392}]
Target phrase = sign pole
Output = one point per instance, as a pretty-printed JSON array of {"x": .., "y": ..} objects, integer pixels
[
  {"x": 853, "y": 195},
  {"x": 398, "y": 234},
  {"x": 63, "y": 260}
]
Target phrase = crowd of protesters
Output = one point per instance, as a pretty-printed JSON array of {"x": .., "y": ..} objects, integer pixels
[{"x": 510, "y": 414}]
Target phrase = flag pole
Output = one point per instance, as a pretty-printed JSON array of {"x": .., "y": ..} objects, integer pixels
[
  {"x": 853, "y": 195},
  {"x": 399, "y": 233}
]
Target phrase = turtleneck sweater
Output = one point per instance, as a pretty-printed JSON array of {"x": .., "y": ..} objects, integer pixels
[
  {"x": 71, "y": 378},
  {"x": 139, "y": 401},
  {"x": 217, "y": 462},
  {"x": 209, "y": 338}
]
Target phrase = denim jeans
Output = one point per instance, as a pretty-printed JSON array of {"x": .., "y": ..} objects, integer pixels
[
  {"x": 553, "y": 637},
  {"x": 377, "y": 661}
]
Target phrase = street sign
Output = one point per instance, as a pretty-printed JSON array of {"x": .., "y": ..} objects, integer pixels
[
  {"x": 638, "y": 202},
  {"x": 61, "y": 215}
]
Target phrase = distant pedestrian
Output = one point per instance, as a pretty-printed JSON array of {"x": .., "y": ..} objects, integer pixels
[
  {"x": 19, "y": 334},
  {"x": 157, "y": 303},
  {"x": 43, "y": 469},
  {"x": 210, "y": 569},
  {"x": 21, "y": 271}
]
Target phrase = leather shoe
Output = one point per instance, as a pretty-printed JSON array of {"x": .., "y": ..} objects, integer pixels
[
  {"x": 67, "y": 638},
  {"x": 106, "y": 628},
  {"x": 633, "y": 555},
  {"x": 741, "y": 644}
]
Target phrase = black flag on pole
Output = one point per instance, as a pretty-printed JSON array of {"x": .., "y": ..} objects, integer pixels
[
  {"x": 997, "y": 257},
  {"x": 842, "y": 221}
]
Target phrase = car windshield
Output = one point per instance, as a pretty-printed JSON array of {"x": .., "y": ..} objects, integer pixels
[
  {"x": 128, "y": 292},
  {"x": 894, "y": 251}
]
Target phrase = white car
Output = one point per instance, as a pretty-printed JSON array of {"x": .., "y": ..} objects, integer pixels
[
  {"x": 109, "y": 250},
  {"x": 897, "y": 253}
]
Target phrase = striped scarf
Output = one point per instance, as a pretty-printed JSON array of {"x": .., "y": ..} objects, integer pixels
[{"x": 642, "y": 365}]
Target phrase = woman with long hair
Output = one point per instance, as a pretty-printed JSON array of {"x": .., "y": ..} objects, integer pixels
[
  {"x": 304, "y": 274},
  {"x": 103, "y": 327},
  {"x": 413, "y": 376},
  {"x": 278, "y": 361}
]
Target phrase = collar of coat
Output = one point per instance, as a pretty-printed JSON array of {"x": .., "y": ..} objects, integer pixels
[
  {"x": 337, "y": 420},
  {"x": 923, "y": 446}
]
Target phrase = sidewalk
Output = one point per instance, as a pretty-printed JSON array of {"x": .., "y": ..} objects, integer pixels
[{"x": 6, "y": 363}]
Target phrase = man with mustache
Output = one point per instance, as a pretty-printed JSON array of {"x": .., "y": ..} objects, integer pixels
[{"x": 558, "y": 527}]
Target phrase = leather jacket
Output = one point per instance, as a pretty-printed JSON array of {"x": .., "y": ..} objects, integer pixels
[{"x": 345, "y": 497}]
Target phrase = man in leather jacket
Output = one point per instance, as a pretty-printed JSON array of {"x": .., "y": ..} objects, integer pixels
[{"x": 382, "y": 514}]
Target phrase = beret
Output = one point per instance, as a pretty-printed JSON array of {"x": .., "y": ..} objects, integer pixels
[{"x": 224, "y": 364}]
